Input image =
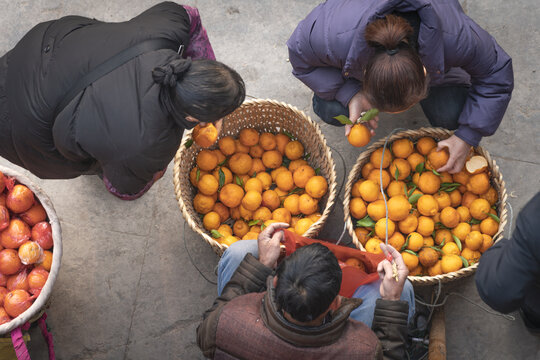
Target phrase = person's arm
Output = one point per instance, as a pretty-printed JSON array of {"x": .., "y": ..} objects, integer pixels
[
  {"x": 510, "y": 268},
  {"x": 391, "y": 313},
  {"x": 249, "y": 277},
  {"x": 199, "y": 46},
  {"x": 492, "y": 79}
]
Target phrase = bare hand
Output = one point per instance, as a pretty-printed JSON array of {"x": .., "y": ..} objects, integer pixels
[
  {"x": 357, "y": 105},
  {"x": 390, "y": 288},
  {"x": 458, "y": 151},
  {"x": 219, "y": 125},
  {"x": 268, "y": 242}
]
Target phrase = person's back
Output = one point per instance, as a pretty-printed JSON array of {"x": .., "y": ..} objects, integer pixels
[
  {"x": 49, "y": 61},
  {"x": 298, "y": 314}
]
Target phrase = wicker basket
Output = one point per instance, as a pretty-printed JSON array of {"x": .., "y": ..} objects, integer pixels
[
  {"x": 38, "y": 307},
  {"x": 439, "y": 134},
  {"x": 263, "y": 115}
]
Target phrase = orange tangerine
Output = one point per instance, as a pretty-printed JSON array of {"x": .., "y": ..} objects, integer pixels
[
  {"x": 400, "y": 168},
  {"x": 358, "y": 208},
  {"x": 281, "y": 142},
  {"x": 317, "y": 186},
  {"x": 227, "y": 145},
  {"x": 294, "y": 150},
  {"x": 376, "y": 156},
  {"x": 204, "y": 136},
  {"x": 307, "y": 204},
  {"x": 231, "y": 195},
  {"x": 302, "y": 174},
  {"x": 267, "y": 141},
  {"x": 272, "y": 159},
  {"x": 270, "y": 199},
  {"x": 206, "y": 160},
  {"x": 240, "y": 163},
  {"x": 415, "y": 159},
  {"x": 359, "y": 135},
  {"x": 249, "y": 137},
  {"x": 425, "y": 144},
  {"x": 402, "y": 148},
  {"x": 291, "y": 203}
]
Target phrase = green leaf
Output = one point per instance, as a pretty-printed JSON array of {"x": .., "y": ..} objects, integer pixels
[
  {"x": 439, "y": 225},
  {"x": 419, "y": 168},
  {"x": 458, "y": 242},
  {"x": 263, "y": 226},
  {"x": 411, "y": 252},
  {"x": 370, "y": 233},
  {"x": 406, "y": 243},
  {"x": 435, "y": 172},
  {"x": 289, "y": 135},
  {"x": 317, "y": 171},
  {"x": 405, "y": 191},
  {"x": 442, "y": 244},
  {"x": 221, "y": 178},
  {"x": 474, "y": 221},
  {"x": 216, "y": 234},
  {"x": 189, "y": 143},
  {"x": 414, "y": 198},
  {"x": 449, "y": 189},
  {"x": 369, "y": 115},
  {"x": 223, "y": 162},
  {"x": 365, "y": 222},
  {"x": 435, "y": 248},
  {"x": 494, "y": 217},
  {"x": 295, "y": 190},
  {"x": 344, "y": 120},
  {"x": 254, "y": 174},
  {"x": 238, "y": 181},
  {"x": 396, "y": 174},
  {"x": 307, "y": 156},
  {"x": 198, "y": 175},
  {"x": 464, "y": 261},
  {"x": 285, "y": 162},
  {"x": 447, "y": 184},
  {"x": 254, "y": 222},
  {"x": 411, "y": 191}
]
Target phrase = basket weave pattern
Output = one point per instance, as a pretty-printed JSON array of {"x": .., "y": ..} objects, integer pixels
[
  {"x": 438, "y": 134},
  {"x": 37, "y": 308},
  {"x": 264, "y": 116}
]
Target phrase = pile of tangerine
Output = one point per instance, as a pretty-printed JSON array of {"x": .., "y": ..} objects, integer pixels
[
  {"x": 440, "y": 222},
  {"x": 26, "y": 244},
  {"x": 255, "y": 180}
]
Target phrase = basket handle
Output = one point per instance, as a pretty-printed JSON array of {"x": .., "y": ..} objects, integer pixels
[{"x": 18, "y": 342}]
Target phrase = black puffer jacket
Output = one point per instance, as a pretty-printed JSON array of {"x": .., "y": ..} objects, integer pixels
[{"x": 116, "y": 126}]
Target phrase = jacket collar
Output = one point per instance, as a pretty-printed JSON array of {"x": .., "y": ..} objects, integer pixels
[
  {"x": 317, "y": 336},
  {"x": 430, "y": 42}
]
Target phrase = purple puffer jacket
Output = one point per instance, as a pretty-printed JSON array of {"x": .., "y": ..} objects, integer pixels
[{"x": 328, "y": 52}]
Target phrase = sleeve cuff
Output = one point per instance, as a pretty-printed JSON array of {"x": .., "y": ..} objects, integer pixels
[
  {"x": 469, "y": 135},
  {"x": 347, "y": 91}
]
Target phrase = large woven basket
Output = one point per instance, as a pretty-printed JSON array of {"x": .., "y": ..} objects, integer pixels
[
  {"x": 38, "y": 307},
  {"x": 438, "y": 134},
  {"x": 263, "y": 115}
]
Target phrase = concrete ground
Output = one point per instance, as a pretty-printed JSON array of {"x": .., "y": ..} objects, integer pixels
[{"x": 128, "y": 288}]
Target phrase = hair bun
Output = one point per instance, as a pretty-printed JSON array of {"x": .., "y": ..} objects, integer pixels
[
  {"x": 164, "y": 75},
  {"x": 172, "y": 73}
]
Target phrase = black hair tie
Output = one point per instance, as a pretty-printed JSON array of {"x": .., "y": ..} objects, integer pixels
[{"x": 392, "y": 52}]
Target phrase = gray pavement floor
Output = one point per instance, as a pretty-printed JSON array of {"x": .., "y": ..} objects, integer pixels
[{"x": 128, "y": 287}]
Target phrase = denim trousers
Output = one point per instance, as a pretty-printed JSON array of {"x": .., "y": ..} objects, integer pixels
[
  {"x": 442, "y": 107},
  {"x": 369, "y": 293}
]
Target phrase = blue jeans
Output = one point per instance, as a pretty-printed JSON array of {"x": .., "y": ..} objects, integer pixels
[
  {"x": 442, "y": 107},
  {"x": 369, "y": 293}
]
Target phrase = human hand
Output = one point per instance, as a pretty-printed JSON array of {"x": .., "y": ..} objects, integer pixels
[
  {"x": 390, "y": 288},
  {"x": 268, "y": 242},
  {"x": 218, "y": 125},
  {"x": 458, "y": 151},
  {"x": 357, "y": 105}
]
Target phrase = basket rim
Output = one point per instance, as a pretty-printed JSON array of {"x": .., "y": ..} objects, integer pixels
[
  {"x": 496, "y": 180},
  {"x": 41, "y": 300},
  {"x": 332, "y": 176}
]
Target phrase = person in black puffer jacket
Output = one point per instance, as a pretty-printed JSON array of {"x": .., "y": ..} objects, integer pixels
[{"x": 127, "y": 125}]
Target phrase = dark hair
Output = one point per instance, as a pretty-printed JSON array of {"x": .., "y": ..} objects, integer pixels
[
  {"x": 394, "y": 77},
  {"x": 308, "y": 281},
  {"x": 204, "y": 89}
]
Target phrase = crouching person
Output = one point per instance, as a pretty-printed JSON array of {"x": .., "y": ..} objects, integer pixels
[{"x": 297, "y": 313}]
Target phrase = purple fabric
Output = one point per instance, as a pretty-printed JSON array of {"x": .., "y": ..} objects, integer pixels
[
  {"x": 199, "y": 45},
  {"x": 328, "y": 52}
]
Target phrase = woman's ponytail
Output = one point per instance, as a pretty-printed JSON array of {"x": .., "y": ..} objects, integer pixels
[
  {"x": 388, "y": 33},
  {"x": 394, "y": 77}
]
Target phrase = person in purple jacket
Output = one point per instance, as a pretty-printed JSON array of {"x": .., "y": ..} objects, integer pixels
[{"x": 392, "y": 54}]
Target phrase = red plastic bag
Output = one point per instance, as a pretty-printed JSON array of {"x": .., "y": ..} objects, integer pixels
[{"x": 352, "y": 277}]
